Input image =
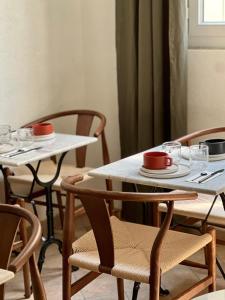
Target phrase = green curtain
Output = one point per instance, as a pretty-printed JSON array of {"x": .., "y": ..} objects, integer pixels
[
  {"x": 151, "y": 68},
  {"x": 151, "y": 47},
  {"x": 178, "y": 45}
]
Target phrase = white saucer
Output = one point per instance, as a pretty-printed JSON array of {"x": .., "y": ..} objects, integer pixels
[
  {"x": 185, "y": 154},
  {"x": 183, "y": 170},
  {"x": 4, "y": 148},
  {"x": 168, "y": 170},
  {"x": 38, "y": 138}
]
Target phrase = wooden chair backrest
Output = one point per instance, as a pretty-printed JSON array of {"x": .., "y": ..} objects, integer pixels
[
  {"x": 84, "y": 123},
  {"x": 187, "y": 139},
  {"x": 9, "y": 224},
  {"x": 95, "y": 206},
  {"x": 10, "y": 217}
]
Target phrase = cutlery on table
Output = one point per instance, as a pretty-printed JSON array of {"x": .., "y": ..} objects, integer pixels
[
  {"x": 198, "y": 176},
  {"x": 21, "y": 151},
  {"x": 211, "y": 175}
]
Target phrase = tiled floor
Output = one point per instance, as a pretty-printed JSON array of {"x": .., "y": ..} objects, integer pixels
[{"x": 104, "y": 287}]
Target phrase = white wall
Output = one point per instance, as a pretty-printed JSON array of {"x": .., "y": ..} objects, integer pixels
[
  {"x": 25, "y": 85},
  {"x": 206, "y": 88},
  {"x": 57, "y": 55}
]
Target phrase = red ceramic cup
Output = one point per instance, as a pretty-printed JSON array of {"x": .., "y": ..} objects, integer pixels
[
  {"x": 42, "y": 128},
  {"x": 157, "y": 160}
]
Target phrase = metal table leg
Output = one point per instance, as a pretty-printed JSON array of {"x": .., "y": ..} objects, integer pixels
[{"x": 49, "y": 211}]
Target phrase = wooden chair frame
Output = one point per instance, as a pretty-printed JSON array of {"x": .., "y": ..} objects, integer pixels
[
  {"x": 83, "y": 126},
  {"x": 96, "y": 209},
  {"x": 11, "y": 218},
  {"x": 186, "y": 139},
  {"x": 20, "y": 244}
]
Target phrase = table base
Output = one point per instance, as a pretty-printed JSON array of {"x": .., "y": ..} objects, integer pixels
[{"x": 45, "y": 245}]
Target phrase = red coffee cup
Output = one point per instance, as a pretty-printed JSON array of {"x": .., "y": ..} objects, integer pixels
[
  {"x": 157, "y": 160},
  {"x": 42, "y": 128}
]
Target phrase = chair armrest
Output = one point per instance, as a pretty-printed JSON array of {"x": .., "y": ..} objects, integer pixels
[
  {"x": 68, "y": 184},
  {"x": 30, "y": 247}
]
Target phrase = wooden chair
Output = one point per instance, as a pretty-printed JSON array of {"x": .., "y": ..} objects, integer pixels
[
  {"x": 126, "y": 250},
  {"x": 10, "y": 219},
  {"x": 19, "y": 180},
  {"x": 198, "y": 210},
  {"x": 18, "y": 245}
]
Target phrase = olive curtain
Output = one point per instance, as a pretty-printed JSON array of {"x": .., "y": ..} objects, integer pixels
[{"x": 151, "y": 45}]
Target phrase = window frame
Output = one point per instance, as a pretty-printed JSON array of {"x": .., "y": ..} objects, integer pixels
[{"x": 204, "y": 34}]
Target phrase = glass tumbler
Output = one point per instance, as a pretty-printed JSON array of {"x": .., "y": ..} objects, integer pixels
[
  {"x": 199, "y": 157},
  {"x": 174, "y": 150},
  {"x": 24, "y": 137},
  {"x": 5, "y": 134}
]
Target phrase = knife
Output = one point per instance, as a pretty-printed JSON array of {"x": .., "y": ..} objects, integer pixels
[
  {"x": 23, "y": 151},
  {"x": 211, "y": 175}
]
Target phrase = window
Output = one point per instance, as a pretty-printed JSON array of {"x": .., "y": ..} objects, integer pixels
[{"x": 206, "y": 23}]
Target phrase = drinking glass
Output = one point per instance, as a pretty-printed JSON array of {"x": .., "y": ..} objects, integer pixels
[
  {"x": 199, "y": 157},
  {"x": 5, "y": 134},
  {"x": 173, "y": 149},
  {"x": 24, "y": 137}
]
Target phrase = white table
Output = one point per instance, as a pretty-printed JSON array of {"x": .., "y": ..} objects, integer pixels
[
  {"x": 60, "y": 144},
  {"x": 218, "y": 295},
  {"x": 127, "y": 170}
]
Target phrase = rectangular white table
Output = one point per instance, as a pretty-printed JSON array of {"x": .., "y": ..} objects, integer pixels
[
  {"x": 60, "y": 144},
  {"x": 127, "y": 170}
]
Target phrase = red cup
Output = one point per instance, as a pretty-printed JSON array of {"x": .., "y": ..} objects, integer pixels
[
  {"x": 157, "y": 160},
  {"x": 42, "y": 128}
]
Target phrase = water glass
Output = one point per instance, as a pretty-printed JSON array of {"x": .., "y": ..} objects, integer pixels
[
  {"x": 173, "y": 149},
  {"x": 5, "y": 134},
  {"x": 199, "y": 157},
  {"x": 24, "y": 137}
]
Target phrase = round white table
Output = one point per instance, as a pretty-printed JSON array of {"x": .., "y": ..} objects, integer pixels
[{"x": 218, "y": 295}]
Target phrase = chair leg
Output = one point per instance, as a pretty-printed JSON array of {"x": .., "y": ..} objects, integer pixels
[
  {"x": 135, "y": 290},
  {"x": 37, "y": 285},
  {"x": 212, "y": 260},
  {"x": 26, "y": 269},
  {"x": 66, "y": 279},
  {"x": 120, "y": 288},
  {"x": 204, "y": 230},
  {"x": 60, "y": 206},
  {"x": 155, "y": 285},
  {"x": 2, "y": 291},
  {"x": 27, "y": 281}
]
